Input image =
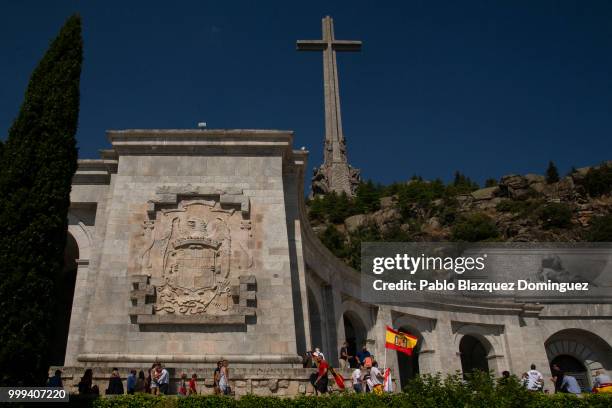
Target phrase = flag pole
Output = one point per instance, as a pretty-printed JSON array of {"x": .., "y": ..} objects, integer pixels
[{"x": 385, "y": 363}]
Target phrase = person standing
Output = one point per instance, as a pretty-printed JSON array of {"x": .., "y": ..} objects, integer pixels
[
  {"x": 535, "y": 379},
  {"x": 357, "y": 380},
  {"x": 557, "y": 377},
  {"x": 216, "y": 376},
  {"x": 364, "y": 357},
  {"x": 182, "y": 388},
  {"x": 115, "y": 385},
  {"x": 163, "y": 380},
  {"x": 131, "y": 382},
  {"x": 193, "y": 384},
  {"x": 224, "y": 378},
  {"x": 320, "y": 382},
  {"x": 153, "y": 386},
  {"x": 376, "y": 379},
  {"x": 86, "y": 386},
  {"x": 344, "y": 357},
  {"x": 56, "y": 380},
  {"x": 141, "y": 383}
]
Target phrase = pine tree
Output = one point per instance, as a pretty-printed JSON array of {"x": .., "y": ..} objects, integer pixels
[
  {"x": 552, "y": 175},
  {"x": 39, "y": 160}
]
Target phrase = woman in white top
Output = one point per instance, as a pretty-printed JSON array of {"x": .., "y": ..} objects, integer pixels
[{"x": 224, "y": 379}]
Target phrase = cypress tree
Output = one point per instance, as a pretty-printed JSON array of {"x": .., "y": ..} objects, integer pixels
[
  {"x": 39, "y": 160},
  {"x": 552, "y": 174}
]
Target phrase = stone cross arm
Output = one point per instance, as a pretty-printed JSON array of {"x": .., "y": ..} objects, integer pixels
[{"x": 321, "y": 45}]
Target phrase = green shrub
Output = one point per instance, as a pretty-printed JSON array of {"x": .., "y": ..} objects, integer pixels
[
  {"x": 556, "y": 215},
  {"x": 479, "y": 390},
  {"x": 600, "y": 230},
  {"x": 316, "y": 209},
  {"x": 334, "y": 241},
  {"x": 552, "y": 174},
  {"x": 474, "y": 227},
  {"x": 490, "y": 182},
  {"x": 367, "y": 198}
]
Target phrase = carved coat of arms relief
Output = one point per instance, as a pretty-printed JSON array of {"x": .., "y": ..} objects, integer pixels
[{"x": 194, "y": 253}]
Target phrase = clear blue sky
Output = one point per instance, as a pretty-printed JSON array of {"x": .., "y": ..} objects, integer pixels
[{"x": 485, "y": 87}]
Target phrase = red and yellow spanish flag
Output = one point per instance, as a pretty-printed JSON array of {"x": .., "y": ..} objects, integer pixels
[{"x": 402, "y": 342}]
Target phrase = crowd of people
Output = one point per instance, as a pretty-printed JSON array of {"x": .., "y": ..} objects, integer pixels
[
  {"x": 563, "y": 382},
  {"x": 366, "y": 375},
  {"x": 156, "y": 381}
]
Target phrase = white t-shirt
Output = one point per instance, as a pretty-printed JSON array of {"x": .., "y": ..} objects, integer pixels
[
  {"x": 375, "y": 376},
  {"x": 534, "y": 380},
  {"x": 164, "y": 378},
  {"x": 356, "y": 376}
]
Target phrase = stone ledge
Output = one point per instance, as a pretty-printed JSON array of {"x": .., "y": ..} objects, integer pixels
[
  {"x": 173, "y": 359},
  {"x": 191, "y": 320}
]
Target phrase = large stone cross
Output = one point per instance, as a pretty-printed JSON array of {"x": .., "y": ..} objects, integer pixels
[{"x": 337, "y": 172}]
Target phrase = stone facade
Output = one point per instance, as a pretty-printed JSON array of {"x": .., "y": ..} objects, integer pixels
[{"x": 194, "y": 246}]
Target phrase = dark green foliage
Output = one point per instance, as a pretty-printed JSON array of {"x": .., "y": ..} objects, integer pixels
[
  {"x": 474, "y": 227},
  {"x": 334, "y": 241},
  {"x": 367, "y": 198},
  {"x": 39, "y": 160},
  {"x": 490, "y": 182},
  {"x": 316, "y": 209},
  {"x": 598, "y": 181},
  {"x": 366, "y": 233},
  {"x": 552, "y": 174},
  {"x": 463, "y": 184},
  {"x": 556, "y": 215},
  {"x": 418, "y": 192},
  {"x": 479, "y": 390},
  {"x": 332, "y": 207},
  {"x": 600, "y": 230}
]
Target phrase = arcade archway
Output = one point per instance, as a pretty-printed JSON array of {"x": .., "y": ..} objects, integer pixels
[
  {"x": 579, "y": 353},
  {"x": 473, "y": 354},
  {"x": 355, "y": 334},
  {"x": 63, "y": 294},
  {"x": 316, "y": 328}
]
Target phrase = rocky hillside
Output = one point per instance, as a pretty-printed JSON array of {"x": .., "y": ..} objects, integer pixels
[{"x": 531, "y": 207}]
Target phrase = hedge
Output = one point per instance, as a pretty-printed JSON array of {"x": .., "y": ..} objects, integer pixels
[
  {"x": 476, "y": 390},
  {"x": 535, "y": 400}
]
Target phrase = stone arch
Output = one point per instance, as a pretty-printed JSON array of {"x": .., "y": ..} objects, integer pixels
[
  {"x": 489, "y": 339},
  {"x": 78, "y": 230},
  {"x": 354, "y": 321},
  {"x": 587, "y": 348},
  {"x": 422, "y": 358},
  {"x": 473, "y": 353},
  {"x": 355, "y": 333}
]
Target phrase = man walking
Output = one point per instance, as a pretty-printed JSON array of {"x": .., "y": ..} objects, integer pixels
[{"x": 319, "y": 379}]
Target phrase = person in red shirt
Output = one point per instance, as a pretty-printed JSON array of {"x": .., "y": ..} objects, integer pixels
[
  {"x": 193, "y": 385},
  {"x": 320, "y": 382}
]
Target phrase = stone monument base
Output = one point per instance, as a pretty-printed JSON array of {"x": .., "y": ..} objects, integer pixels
[{"x": 265, "y": 381}]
